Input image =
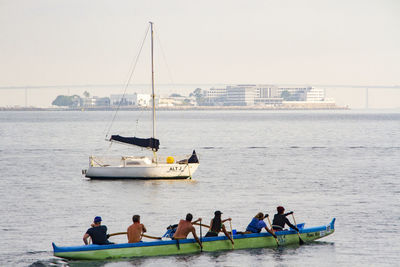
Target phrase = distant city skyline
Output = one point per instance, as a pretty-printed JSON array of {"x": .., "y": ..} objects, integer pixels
[{"x": 354, "y": 97}]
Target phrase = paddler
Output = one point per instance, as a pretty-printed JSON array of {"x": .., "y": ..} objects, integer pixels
[
  {"x": 135, "y": 230},
  {"x": 257, "y": 224},
  {"x": 97, "y": 232},
  {"x": 279, "y": 221},
  {"x": 185, "y": 227},
  {"x": 217, "y": 224}
]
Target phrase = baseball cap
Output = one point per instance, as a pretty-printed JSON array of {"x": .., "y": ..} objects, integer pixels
[
  {"x": 97, "y": 219},
  {"x": 217, "y": 212}
]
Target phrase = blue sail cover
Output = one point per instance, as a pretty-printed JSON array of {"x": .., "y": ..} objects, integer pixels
[{"x": 142, "y": 142}]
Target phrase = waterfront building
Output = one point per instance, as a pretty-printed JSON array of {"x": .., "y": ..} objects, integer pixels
[
  {"x": 143, "y": 100},
  {"x": 165, "y": 102},
  {"x": 240, "y": 95},
  {"x": 315, "y": 95},
  {"x": 264, "y": 94},
  {"x": 266, "y": 91},
  {"x": 215, "y": 93},
  {"x": 215, "y": 96},
  {"x": 307, "y": 94},
  {"x": 267, "y": 95},
  {"x": 252, "y": 94},
  {"x": 123, "y": 100},
  {"x": 76, "y": 101},
  {"x": 292, "y": 93},
  {"x": 176, "y": 101},
  {"x": 96, "y": 101},
  {"x": 137, "y": 100}
]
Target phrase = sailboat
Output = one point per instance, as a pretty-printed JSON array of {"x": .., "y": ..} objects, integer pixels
[{"x": 143, "y": 167}]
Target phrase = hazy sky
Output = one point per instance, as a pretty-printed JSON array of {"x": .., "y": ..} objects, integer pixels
[{"x": 70, "y": 42}]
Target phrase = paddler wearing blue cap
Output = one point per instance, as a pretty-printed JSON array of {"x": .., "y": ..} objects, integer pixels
[{"x": 97, "y": 232}]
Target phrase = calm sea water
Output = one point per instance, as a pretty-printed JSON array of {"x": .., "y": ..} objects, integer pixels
[{"x": 320, "y": 164}]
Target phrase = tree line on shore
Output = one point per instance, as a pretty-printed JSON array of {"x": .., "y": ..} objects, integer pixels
[{"x": 78, "y": 101}]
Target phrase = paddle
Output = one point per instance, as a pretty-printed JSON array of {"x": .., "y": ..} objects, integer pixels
[
  {"x": 144, "y": 235},
  {"x": 201, "y": 237},
  {"x": 230, "y": 222},
  {"x": 276, "y": 239},
  {"x": 205, "y": 225},
  {"x": 301, "y": 242},
  {"x": 119, "y": 233}
]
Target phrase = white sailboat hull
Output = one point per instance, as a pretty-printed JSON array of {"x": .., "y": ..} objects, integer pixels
[{"x": 147, "y": 172}]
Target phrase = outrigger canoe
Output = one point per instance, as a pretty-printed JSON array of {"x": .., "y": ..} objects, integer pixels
[{"x": 186, "y": 246}]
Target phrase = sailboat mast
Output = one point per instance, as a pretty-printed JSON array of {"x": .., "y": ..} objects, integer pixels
[{"x": 152, "y": 83}]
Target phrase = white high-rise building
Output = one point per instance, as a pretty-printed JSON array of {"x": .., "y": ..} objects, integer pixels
[
  {"x": 252, "y": 94},
  {"x": 266, "y": 91},
  {"x": 240, "y": 95}
]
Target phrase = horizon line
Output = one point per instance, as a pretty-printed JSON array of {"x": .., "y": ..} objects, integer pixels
[{"x": 198, "y": 84}]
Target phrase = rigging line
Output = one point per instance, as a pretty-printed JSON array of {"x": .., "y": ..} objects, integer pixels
[
  {"x": 166, "y": 63},
  {"x": 133, "y": 67}
]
